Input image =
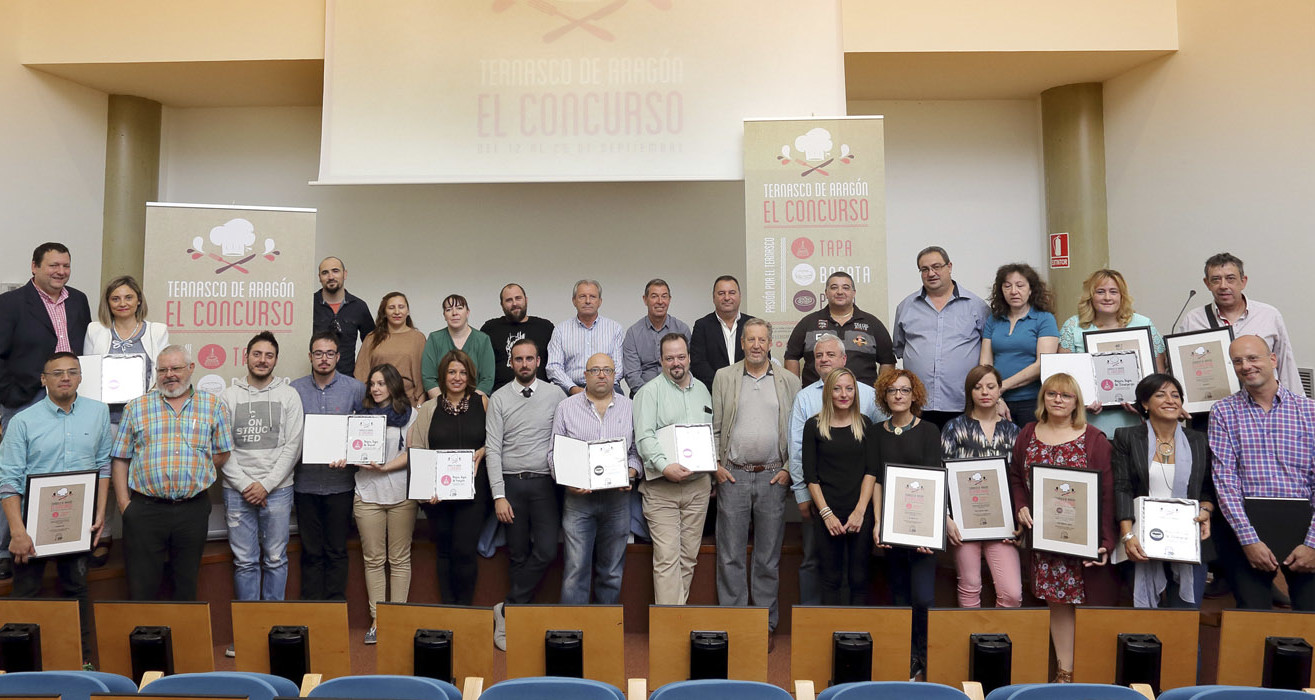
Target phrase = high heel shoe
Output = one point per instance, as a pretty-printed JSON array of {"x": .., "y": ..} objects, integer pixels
[{"x": 1062, "y": 676}]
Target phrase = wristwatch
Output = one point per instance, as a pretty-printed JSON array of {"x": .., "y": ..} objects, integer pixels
[{"x": 1128, "y": 536}]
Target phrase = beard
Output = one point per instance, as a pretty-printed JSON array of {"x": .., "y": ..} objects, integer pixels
[
  {"x": 516, "y": 315},
  {"x": 176, "y": 391}
]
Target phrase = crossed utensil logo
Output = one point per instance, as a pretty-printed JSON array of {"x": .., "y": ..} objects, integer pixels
[
  {"x": 234, "y": 239},
  {"x": 585, "y": 23},
  {"x": 816, "y": 146}
]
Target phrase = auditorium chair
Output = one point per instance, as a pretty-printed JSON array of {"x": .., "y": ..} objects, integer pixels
[
  {"x": 719, "y": 689},
  {"x": 891, "y": 690},
  {"x": 69, "y": 685},
  {"x": 256, "y": 686},
  {"x": 1230, "y": 692},
  {"x": 552, "y": 688},
  {"x": 384, "y": 687}
]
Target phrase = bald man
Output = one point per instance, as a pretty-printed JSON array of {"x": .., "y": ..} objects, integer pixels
[
  {"x": 1263, "y": 443},
  {"x": 337, "y": 311}
]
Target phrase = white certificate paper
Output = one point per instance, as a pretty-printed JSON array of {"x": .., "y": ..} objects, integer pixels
[
  {"x": 690, "y": 445},
  {"x": 1075, "y": 364},
  {"x": 112, "y": 378},
  {"x": 1167, "y": 528},
  {"x": 448, "y": 475},
  {"x": 596, "y": 465},
  {"x": 1117, "y": 374},
  {"x": 365, "y": 439}
]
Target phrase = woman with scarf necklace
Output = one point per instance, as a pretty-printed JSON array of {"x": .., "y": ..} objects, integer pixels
[
  {"x": 385, "y": 517},
  {"x": 1161, "y": 459}
]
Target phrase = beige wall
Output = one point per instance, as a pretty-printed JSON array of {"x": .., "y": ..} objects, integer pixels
[
  {"x": 52, "y": 163},
  {"x": 1211, "y": 149}
]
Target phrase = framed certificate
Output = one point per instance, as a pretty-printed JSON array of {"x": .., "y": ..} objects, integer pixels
[
  {"x": 1117, "y": 374},
  {"x": 1075, "y": 364},
  {"x": 979, "y": 498},
  {"x": 357, "y": 439},
  {"x": 1167, "y": 529},
  {"x": 1065, "y": 511},
  {"x": 60, "y": 510},
  {"x": 1199, "y": 361},
  {"x": 594, "y": 466},
  {"x": 448, "y": 475},
  {"x": 913, "y": 506},
  {"x": 688, "y": 444},
  {"x": 1117, "y": 339}
]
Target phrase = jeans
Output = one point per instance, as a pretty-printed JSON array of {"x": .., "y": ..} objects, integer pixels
[
  {"x": 259, "y": 538},
  {"x": 72, "y": 571},
  {"x": 1022, "y": 411},
  {"x": 532, "y": 534},
  {"x": 322, "y": 523},
  {"x": 751, "y": 501},
  {"x": 595, "y": 526},
  {"x": 810, "y": 579}
]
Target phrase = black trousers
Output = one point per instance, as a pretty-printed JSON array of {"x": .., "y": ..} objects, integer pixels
[
  {"x": 843, "y": 558},
  {"x": 72, "y": 572},
  {"x": 455, "y": 527},
  {"x": 913, "y": 583},
  {"x": 532, "y": 534},
  {"x": 154, "y": 532},
  {"x": 322, "y": 523},
  {"x": 1252, "y": 587}
]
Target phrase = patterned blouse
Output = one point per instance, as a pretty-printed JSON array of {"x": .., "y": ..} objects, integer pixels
[{"x": 962, "y": 438}]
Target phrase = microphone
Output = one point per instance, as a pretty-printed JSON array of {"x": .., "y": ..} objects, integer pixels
[{"x": 1174, "y": 327}]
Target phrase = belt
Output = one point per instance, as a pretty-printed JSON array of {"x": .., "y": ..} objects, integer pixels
[
  {"x": 754, "y": 468},
  {"x": 169, "y": 501},
  {"x": 525, "y": 475}
]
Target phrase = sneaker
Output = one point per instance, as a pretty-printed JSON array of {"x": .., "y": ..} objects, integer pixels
[
  {"x": 230, "y": 652},
  {"x": 87, "y": 666},
  {"x": 499, "y": 628},
  {"x": 371, "y": 637}
]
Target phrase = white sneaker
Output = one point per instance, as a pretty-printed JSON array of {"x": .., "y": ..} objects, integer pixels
[
  {"x": 371, "y": 637},
  {"x": 499, "y": 628},
  {"x": 230, "y": 652}
]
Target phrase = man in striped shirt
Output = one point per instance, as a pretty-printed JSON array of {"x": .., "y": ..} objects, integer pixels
[
  {"x": 1263, "y": 442},
  {"x": 171, "y": 443},
  {"x": 578, "y": 338}
]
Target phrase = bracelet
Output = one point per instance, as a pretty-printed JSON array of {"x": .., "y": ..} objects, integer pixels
[
  {"x": 1128, "y": 536},
  {"x": 824, "y": 512}
]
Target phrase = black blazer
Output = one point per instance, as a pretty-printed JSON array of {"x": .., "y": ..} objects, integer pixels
[
  {"x": 1132, "y": 472},
  {"x": 706, "y": 347},
  {"x": 27, "y": 339}
]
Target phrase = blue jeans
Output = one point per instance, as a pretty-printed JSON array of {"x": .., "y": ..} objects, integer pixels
[
  {"x": 259, "y": 538},
  {"x": 596, "y": 527}
]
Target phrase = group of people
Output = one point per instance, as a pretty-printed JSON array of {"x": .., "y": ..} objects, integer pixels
[{"x": 820, "y": 426}]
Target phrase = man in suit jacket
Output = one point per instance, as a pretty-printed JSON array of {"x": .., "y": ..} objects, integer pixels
[
  {"x": 717, "y": 337},
  {"x": 40, "y": 318}
]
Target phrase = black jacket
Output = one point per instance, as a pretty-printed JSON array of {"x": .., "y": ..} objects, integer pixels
[
  {"x": 1132, "y": 471},
  {"x": 27, "y": 339},
  {"x": 707, "y": 347},
  {"x": 354, "y": 320}
]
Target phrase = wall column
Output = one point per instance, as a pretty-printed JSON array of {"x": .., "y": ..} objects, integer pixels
[
  {"x": 132, "y": 178},
  {"x": 1073, "y": 139}
]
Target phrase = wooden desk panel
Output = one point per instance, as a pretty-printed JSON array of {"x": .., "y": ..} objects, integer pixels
[
  {"x": 604, "y": 639},
  {"x": 61, "y": 637},
  {"x": 949, "y": 642},
  {"x": 189, "y": 625},
  {"x": 472, "y": 638},
  {"x": 810, "y": 642},
  {"x": 1096, "y": 642},
  {"x": 669, "y": 627},
  {"x": 1242, "y": 641},
  {"x": 327, "y": 623}
]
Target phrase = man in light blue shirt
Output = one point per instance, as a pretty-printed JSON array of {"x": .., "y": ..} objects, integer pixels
[
  {"x": 828, "y": 354},
  {"x": 582, "y": 336},
  {"x": 938, "y": 333},
  {"x": 61, "y": 433}
]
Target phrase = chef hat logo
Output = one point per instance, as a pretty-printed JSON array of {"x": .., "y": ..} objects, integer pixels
[
  {"x": 234, "y": 237},
  {"x": 815, "y": 143},
  {"x": 915, "y": 486},
  {"x": 976, "y": 477},
  {"x": 1065, "y": 488}
]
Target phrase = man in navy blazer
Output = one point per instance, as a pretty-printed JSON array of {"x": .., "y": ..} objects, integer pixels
[
  {"x": 716, "y": 336},
  {"x": 40, "y": 318}
]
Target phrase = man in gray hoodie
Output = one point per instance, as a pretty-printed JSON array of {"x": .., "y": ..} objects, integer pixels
[{"x": 266, "y": 417}]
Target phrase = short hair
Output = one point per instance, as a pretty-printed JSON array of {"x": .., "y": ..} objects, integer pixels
[
  {"x": 452, "y": 301},
  {"x": 341, "y": 264},
  {"x": 511, "y": 284},
  {"x": 595, "y": 283},
  {"x": 671, "y": 338},
  {"x": 933, "y": 249},
  {"x": 464, "y": 359},
  {"x": 655, "y": 282},
  {"x": 1222, "y": 259},
  {"x": 325, "y": 334},
  {"x": 1039, "y": 297},
  {"x": 397, "y": 397},
  {"x": 829, "y": 338},
  {"x": 755, "y": 321},
  {"x": 48, "y": 247},
  {"x": 264, "y": 337},
  {"x": 105, "y": 315},
  {"x": 525, "y": 341},
  {"x": 975, "y": 376},
  {"x": 61, "y": 355},
  {"x": 1087, "y": 312},
  {"x": 1147, "y": 387},
  {"x": 1061, "y": 381},
  {"x": 725, "y": 278},
  {"x": 180, "y": 350},
  {"x": 839, "y": 273},
  {"x": 887, "y": 379}
]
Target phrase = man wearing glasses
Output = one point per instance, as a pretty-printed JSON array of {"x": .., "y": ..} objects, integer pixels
[
  {"x": 938, "y": 332},
  {"x": 336, "y": 310},
  {"x": 322, "y": 493},
  {"x": 38, "y": 442},
  {"x": 867, "y": 344},
  {"x": 171, "y": 443}
]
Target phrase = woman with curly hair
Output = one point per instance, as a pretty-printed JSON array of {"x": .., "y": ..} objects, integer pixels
[{"x": 1020, "y": 330}]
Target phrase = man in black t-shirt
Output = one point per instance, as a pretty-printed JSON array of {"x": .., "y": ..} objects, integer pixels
[
  {"x": 511, "y": 326},
  {"x": 868, "y": 347},
  {"x": 337, "y": 310}
]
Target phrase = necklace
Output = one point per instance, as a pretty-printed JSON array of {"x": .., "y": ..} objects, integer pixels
[
  {"x": 899, "y": 429},
  {"x": 1165, "y": 448}
]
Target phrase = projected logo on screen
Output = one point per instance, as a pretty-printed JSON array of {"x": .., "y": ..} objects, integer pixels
[
  {"x": 816, "y": 145},
  {"x": 571, "y": 19},
  {"x": 233, "y": 239}
]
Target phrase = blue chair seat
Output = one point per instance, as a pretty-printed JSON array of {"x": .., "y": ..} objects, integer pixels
[
  {"x": 721, "y": 690},
  {"x": 891, "y": 690},
  {"x": 257, "y": 686},
  {"x": 552, "y": 688},
  {"x": 70, "y": 685},
  {"x": 385, "y": 687},
  {"x": 1075, "y": 691}
]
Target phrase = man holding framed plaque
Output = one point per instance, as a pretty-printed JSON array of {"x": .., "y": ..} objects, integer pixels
[
  {"x": 37, "y": 443},
  {"x": 1264, "y": 459}
]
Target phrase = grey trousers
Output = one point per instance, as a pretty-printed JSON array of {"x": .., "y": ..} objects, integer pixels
[{"x": 752, "y": 499}]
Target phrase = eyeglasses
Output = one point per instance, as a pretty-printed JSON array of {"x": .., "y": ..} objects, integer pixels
[
  {"x": 324, "y": 354},
  {"x": 933, "y": 268},
  {"x": 171, "y": 370},
  {"x": 899, "y": 391},
  {"x": 61, "y": 373},
  {"x": 1056, "y": 395},
  {"x": 600, "y": 371}
]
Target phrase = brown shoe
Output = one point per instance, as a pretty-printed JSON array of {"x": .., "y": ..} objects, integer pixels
[{"x": 1062, "y": 676}]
